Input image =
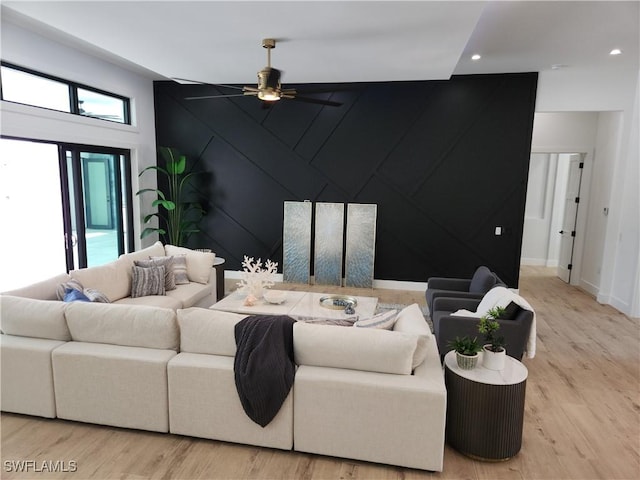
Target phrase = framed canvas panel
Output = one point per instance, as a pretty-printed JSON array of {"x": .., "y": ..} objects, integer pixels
[
  {"x": 328, "y": 246},
  {"x": 360, "y": 245},
  {"x": 296, "y": 242}
]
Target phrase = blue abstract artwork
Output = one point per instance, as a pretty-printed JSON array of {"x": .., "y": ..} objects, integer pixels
[
  {"x": 328, "y": 246},
  {"x": 296, "y": 242},
  {"x": 360, "y": 244}
]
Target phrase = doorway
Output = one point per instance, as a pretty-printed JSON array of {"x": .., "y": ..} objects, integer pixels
[
  {"x": 66, "y": 205},
  {"x": 551, "y": 211}
]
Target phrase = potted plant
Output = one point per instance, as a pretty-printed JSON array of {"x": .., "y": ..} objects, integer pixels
[
  {"x": 494, "y": 351},
  {"x": 179, "y": 215},
  {"x": 466, "y": 351}
]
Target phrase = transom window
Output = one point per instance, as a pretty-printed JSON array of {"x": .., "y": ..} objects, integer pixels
[{"x": 28, "y": 87}]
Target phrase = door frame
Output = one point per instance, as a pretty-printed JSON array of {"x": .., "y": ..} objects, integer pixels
[{"x": 588, "y": 153}]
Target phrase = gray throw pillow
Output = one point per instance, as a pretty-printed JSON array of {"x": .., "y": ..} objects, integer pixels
[
  {"x": 180, "y": 269},
  {"x": 482, "y": 281},
  {"x": 72, "y": 284},
  {"x": 167, "y": 263},
  {"x": 147, "y": 281}
]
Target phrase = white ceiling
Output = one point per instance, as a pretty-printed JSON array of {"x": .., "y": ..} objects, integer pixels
[{"x": 338, "y": 41}]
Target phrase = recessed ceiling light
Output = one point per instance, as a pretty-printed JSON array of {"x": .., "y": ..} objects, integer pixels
[
  {"x": 615, "y": 51},
  {"x": 558, "y": 66},
  {"x": 476, "y": 57}
]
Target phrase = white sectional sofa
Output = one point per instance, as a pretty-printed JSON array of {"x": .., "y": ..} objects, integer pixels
[
  {"x": 358, "y": 393},
  {"x": 114, "y": 280}
]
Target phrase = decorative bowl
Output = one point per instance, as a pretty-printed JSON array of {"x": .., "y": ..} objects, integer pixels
[
  {"x": 275, "y": 296},
  {"x": 338, "y": 302}
]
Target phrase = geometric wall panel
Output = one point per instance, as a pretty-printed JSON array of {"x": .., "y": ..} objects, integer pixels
[{"x": 445, "y": 162}]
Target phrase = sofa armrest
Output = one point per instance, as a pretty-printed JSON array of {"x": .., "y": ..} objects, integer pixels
[
  {"x": 444, "y": 283},
  {"x": 460, "y": 296},
  {"x": 453, "y": 303}
]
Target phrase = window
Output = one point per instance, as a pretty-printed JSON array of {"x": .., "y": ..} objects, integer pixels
[
  {"x": 32, "y": 88},
  {"x": 23, "y": 87}
]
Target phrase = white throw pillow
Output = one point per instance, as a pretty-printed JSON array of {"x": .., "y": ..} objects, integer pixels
[
  {"x": 384, "y": 321},
  {"x": 199, "y": 264},
  {"x": 411, "y": 320}
]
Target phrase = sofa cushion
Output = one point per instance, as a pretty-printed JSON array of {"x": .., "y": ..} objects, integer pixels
[
  {"x": 44, "y": 290},
  {"x": 147, "y": 281},
  {"x": 27, "y": 317},
  {"x": 127, "y": 325},
  {"x": 354, "y": 348},
  {"x": 208, "y": 331},
  {"x": 190, "y": 294},
  {"x": 199, "y": 264},
  {"x": 113, "y": 279},
  {"x": 482, "y": 280},
  {"x": 155, "y": 250},
  {"x": 161, "y": 301},
  {"x": 410, "y": 320}
]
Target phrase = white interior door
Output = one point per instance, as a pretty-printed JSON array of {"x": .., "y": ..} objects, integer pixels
[{"x": 568, "y": 232}]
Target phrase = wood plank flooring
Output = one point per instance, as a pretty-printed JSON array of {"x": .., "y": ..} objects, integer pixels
[{"x": 582, "y": 415}]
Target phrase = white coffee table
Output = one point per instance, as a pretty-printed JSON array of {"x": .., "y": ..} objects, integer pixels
[{"x": 297, "y": 304}]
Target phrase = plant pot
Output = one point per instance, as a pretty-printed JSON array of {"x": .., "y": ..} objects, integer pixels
[
  {"x": 493, "y": 360},
  {"x": 466, "y": 362}
]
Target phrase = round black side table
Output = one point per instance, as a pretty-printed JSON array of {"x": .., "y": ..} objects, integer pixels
[
  {"x": 485, "y": 408},
  {"x": 218, "y": 263}
]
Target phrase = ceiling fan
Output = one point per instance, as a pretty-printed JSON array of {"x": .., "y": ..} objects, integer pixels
[{"x": 269, "y": 88}]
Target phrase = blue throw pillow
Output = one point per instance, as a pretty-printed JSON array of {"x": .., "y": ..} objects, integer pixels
[{"x": 73, "y": 295}]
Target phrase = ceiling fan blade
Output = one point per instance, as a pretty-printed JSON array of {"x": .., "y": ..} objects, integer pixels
[
  {"x": 204, "y": 97},
  {"x": 185, "y": 81},
  {"x": 315, "y": 100}
]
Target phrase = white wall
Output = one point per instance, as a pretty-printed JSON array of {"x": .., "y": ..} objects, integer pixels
[
  {"x": 608, "y": 246},
  {"x": 608, "y": 139},
  {"x": 25, "y": 48},
  {"x": 568, "y": 132},
  {"x": 620, "y": 277}
]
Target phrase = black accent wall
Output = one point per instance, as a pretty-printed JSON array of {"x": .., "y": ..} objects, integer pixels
[{"x": 445, "y": 161}]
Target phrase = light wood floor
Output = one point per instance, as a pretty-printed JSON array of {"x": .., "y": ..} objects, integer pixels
[{"x": 582, "y": 418}]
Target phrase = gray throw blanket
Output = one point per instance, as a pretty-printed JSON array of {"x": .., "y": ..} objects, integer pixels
[{"x": 263, "y": 366}]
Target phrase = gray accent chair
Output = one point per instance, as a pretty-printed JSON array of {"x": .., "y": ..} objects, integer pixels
[
  {"x": 475, "y": 287},
  {"x": 446, "y": 327}
]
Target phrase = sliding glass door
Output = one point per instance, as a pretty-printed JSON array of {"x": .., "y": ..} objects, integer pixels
[
  {"x": 68, "y": 204},
  {"x": 32, "y": 242}
]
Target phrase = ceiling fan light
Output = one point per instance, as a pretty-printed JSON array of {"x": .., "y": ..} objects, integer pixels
[{"x": 269, "y": 94}]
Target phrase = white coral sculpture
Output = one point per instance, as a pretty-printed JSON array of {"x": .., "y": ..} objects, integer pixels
[{"x": 254, "y": 278}]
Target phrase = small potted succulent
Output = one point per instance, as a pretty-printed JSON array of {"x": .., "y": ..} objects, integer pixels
[
  {"x": 466, "y": 351},
  {"x": 494, "y": 352}
]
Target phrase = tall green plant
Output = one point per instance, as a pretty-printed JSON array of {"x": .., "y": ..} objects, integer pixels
[{"x": 180, "y": 216}]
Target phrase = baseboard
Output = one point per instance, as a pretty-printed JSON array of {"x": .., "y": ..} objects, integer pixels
[
  {"x": 387, "y": 284},
  {"x": 538, "y": 262},
  {"x": 590, "y": 288}
]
